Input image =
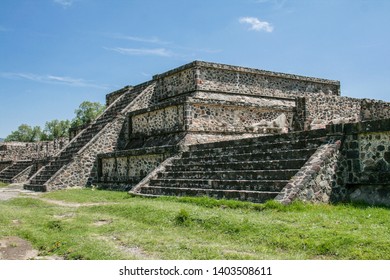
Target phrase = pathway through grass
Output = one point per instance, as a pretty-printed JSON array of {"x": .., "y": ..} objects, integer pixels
[{"x": 95, "y": 224}]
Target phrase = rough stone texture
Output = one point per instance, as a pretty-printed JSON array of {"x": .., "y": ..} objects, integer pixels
[
  {"x": 165, "y": 120},
  {"x": 82, "y": 170},
  {"x": 364, "y": 165},
  {"x": 316, "y": 111},
  {"x": 231, "y": 118},
  {"x": 175, "y": 82},
  {"x": 24, "y": 175},
  {"x": 112, "y": 96},
  {"x": 371, "y": 194},
  {"x": 314, "y": 181},
  {"x": 374, "y": 152},
  {"x": 73, "y": 131},
  {"x": 204, "y": 76},
  {"x": 124, "y": 169},
  {"x": 19, "y": 161},
  {"x": 374, "y": 109},
  {"x": 14, "y": 151}
]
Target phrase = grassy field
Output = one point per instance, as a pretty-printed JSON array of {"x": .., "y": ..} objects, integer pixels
[
  {"x": 3, "y": 184},
  {"x": 113, "y": 225}
]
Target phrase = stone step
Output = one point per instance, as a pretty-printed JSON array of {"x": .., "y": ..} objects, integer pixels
[
  {"x": 251, "y": 165},
  {"x": 81, "y": 141},
  {"x": 35, "y": 187},
  {"x": 258, "y": 197},
  {"x": 256, "y": 148},
  {"x": 10, "y": 172},
  {"x": 41, "y": 178},
  {"x": 247, "y": 157},
  {"x": 249, "y": 185},
  {"x": 285, "y": 174}
]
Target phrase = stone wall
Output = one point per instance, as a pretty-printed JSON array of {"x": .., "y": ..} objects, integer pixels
[
  {"x": 230, "y": 118},
  {"x": 219, "y": 114},
  {"x": 374, "y": 109},
  {"x": 364, "y": 166},
  {"x": 225, "y": 78},
  {"x": 124, "y": 169},
  {"x": 204, "y": 76},
  {"x": 175, "y": 82},
  {"x": 161, "y": 120},
  {"x": 316, "y": 111},
  {"x": 14, "y": 151}
]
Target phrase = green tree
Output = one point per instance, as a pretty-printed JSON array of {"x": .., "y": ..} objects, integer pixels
[
  {"x": 25, "y": 133},
  {"x": 87, "y": 112},
  {"x": 55, "y": 129}
]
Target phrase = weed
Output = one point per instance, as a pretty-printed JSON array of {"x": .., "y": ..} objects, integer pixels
[
  {"x": 55, "y": 225},
  {"x": 183, "y": 218}
]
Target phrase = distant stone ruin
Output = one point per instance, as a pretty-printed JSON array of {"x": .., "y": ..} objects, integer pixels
[{"x": 207, "y": 129}]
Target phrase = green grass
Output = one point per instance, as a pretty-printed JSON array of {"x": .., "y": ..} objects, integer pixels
[
  {"x": 195, "y": 228},
  {"x": 3, "y": 184}
]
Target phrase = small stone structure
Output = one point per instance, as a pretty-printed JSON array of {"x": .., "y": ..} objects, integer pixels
[
  {"x": 20, "y": 160},
  {"x": 230, "y": 132}
]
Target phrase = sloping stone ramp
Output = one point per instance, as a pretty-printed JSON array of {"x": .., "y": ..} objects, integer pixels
[{"x": 75, "y": 164}]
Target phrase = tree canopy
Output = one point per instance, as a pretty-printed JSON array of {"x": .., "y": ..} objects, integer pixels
[
  {"x": 85, "y": 114},
  {"x": 55, "y": 129},
  {"x": 25, "y": 133}
]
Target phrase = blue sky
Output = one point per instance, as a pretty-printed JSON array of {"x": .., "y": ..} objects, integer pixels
[{"x": 54, "y": 54}]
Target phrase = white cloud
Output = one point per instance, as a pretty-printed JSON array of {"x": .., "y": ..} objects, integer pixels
[
  {"x": 143, "y": 51},
  {"x": 64, "y": 3},
  {"x": 256, "y": 24},
  {"x": 69, "y": 81}
]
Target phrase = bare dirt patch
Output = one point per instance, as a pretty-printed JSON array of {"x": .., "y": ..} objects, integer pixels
[
  {"x": 102, "y": 222},
  {"x": 16, "y": 248}
]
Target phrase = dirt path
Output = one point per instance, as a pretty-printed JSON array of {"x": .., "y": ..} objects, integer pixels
[
  {"x": 15, "y": 190},
  {"x": 15, "y": 248}
]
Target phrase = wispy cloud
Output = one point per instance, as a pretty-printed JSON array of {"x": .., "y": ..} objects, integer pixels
[
  {"x": 69, "y": 81},
  {"x": 64, "y": 3},
  {"x": 142, "y": 51},
  {"x": 147, "y": 46},
  {"x": 151, "y": 40},
  {"x": 256, "y": 24}
]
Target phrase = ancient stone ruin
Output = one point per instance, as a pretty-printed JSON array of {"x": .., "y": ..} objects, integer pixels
[{"x": 207, "y": 129}]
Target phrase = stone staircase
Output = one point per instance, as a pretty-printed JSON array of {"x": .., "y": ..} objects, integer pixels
[
  {"x": 37, "y": 182},
  {"x": 12, "y": 171},
  {"x": 253, "y": 169}
]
